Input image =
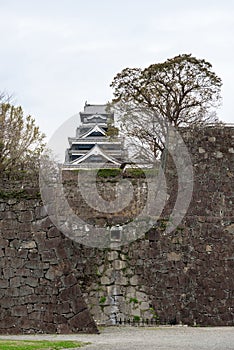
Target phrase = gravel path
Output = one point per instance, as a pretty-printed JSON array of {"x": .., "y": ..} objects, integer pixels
[{"x": 160, "y": 338}]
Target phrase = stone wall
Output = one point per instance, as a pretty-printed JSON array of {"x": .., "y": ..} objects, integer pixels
[
  {"x": 190, "y": 271},
  {"x": 40, "y": 270},
  {"x": 186, "y": 276}
]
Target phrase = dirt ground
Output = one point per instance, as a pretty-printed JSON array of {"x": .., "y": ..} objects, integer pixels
[{"x": 158, "y": 338}]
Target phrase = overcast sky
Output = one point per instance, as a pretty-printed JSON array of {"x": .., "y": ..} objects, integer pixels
[{"x": 56, "y": 54}]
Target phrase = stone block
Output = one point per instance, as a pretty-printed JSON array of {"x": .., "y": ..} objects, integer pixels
[
  {"x": 28, "y": 245},
  {"x": 25, "y": 290},
  {"x": 218, "y": 154},
  {"x": 81, "y": 321},
  {"x": 144, "y": 306},
  {"x": 208, "y": 248},
  {"x": 78, "y": 305},
  {"x": 109, "y": 272},
  {"x": 122, "y": 281},
  {"x": 63, "y": 329},
  {"x": 49, "y": 256},
  {"x": 114, "y": 290},
  {"x": 48, "y": 316},
  {"x": 173, "y": 256},
  {"x": 69, "y": 280},
  {"x": 136, "y": 313},
  {"x": 134, "y": 280},
  {"x": 140, "y": 296},
  {"x": 25, "y": 216},
  {"x": 4, "y": 283},
  {"x": 40, "y": 212},
  {"x": 113, "y": 255},
  {"x": 107, "y": 280},
  {"x": 21, "y": 310},
  {"x": 53, "y": 232},
  {"x": 31, "y": 281},
  {"x": 70, "y": 294},
  {"x": 15, "y": 282},
  {"x": 119, "y": 265},
  {"x": 230, "y": 228},
  {"x": 7, "y": 323},
  {"x": 2, "y": 206}
]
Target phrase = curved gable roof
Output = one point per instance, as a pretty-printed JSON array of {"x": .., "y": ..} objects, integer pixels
[
  {"x": 96, "y": 128},
  {"x": 96, "y": 150}
]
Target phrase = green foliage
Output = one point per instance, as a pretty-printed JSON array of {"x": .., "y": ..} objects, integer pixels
[
  {"x": 20, "y": 194},
  {"x": 136, "y": 318},
  {"x": 154, "y": 315},
  {"x": 133, "y": 301},
  {"x": 135, "y": 173},
  {"x": 39, "y": 345},
  {"x": 105, "y": 173},
  {"x": 112, "y": 131},
  {"x": 102, "y": 300}
]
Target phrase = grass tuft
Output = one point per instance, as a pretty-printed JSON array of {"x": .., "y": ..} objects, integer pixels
[{"x": 39, "y": 345}]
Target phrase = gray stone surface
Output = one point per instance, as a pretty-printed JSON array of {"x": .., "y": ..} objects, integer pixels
[
  {"x": 185, "y": 276},
  {"x": 160, "y": 338}
]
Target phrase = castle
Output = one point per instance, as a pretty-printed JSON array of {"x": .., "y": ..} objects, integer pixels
[{"x": 92, "y": 147}]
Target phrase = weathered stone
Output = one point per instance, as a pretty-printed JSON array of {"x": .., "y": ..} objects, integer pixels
[
  {"x": 173, "y": 256},
  {"x": 208, "y": 248},
  {"x": 26, "y": 216},
  {"x": 134, "y": 281},
  {"x": 36, "y": 265},
  {"x": 28, "y": 245},
  {"x": 2, "y": 206},
  {"x": 230, "y": 228},
  {"x": 25, "y": 290},
  {"x": 81, "y": 321},
  {"x": 20, "y": 310},
  {"x": 49, "y": 256},
  {"x": 53, "y": 232},
  {"x": 78, "y": 305},
  {"x": 52, "y": 273},
  {"x": 15, "y": 282},
  {"x": 40, "y": 212},
  {"x": 69, "y": 280},
  {"x": 144, "y": 306},
  {"x": 121, "y": 280},
  {"x": 114, "y": 290},
  {"x": 106, "y": 280},
  {"x": 4, "y": 283},
  {"x": 140, "y": 296},
  {"x": 70, "y": 293},
  {"x": 31, "y": 281},
  {"x": 218, "y": 154},
  {"x": 113, "y": 255},
  {"x": 118, "y": 264}
]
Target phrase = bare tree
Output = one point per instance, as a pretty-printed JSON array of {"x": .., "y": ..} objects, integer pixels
[{"x": 21, "y": 141}]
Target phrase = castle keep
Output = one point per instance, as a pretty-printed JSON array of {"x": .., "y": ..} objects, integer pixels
[{"x": 91, "y": 146}]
